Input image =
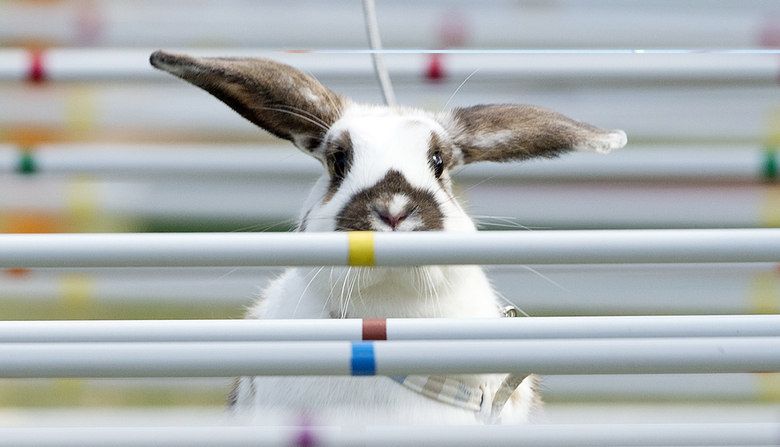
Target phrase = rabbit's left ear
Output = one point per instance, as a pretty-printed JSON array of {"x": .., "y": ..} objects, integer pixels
[
  {"x": 506, "y": 132},
  {"x": 279, "y": 98}
]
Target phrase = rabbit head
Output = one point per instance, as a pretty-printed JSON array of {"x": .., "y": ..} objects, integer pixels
[{"x": 385, "y": 168}]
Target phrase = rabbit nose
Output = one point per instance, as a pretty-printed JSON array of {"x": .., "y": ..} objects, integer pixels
[{"x": 391, "y": 219}]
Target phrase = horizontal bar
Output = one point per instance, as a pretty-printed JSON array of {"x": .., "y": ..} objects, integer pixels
[
  {"x": 682, "y": 434},
  {"x": 609, "y": 289},
  {"x": 650, "y": 390},
  {"x": 493, "y": 24},
  {"x": 113, "y": 331},
  {"x": 144, "y": 160},
  {"x": 392, "y": 358},
  {"x": 106, "y": 112},
  {"x": 660, "y": 389},
  {"x": 745, "y": 66},
  {"x": 390, "y": 248},
  {"x": 191, "y": 202}
]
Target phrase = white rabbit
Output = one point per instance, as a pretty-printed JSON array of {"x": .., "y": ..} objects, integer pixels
[{"x": 385, "y": 169}]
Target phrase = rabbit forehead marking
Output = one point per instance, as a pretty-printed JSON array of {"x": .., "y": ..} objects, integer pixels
[{"x": 382, "y": 140}]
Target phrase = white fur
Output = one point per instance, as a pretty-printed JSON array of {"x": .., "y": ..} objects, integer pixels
[
  {"x": 398, "y": 292},
  {"x": 604, "y": 143},
  {"x": 487, "y": 140},
  {"x": 382, "y": 139}
]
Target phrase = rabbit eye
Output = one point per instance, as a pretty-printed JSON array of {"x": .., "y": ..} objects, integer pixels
[
  {"x": 339, "y": 162},
  {"x": 437, "y": 164}
]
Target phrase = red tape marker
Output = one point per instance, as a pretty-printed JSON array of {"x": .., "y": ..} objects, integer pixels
[
  {"x": 435, "y": 70},
  {"x": 374, "y": 329},
  {"x": 37, "y": 73}
]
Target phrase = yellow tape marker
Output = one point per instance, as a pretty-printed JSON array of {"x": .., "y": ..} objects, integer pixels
[
  {"x": 361, "y": 248},
  {"x": 81, "y": 111},
  {"x": 77, "y": 290},
  {"x": 771, "y": 213},
  {"x": 81, "y": 201},
  {"x": 768, "y": 387},
  {"x": 765, "y": 293},
  {"x": 772, "y": 130}
]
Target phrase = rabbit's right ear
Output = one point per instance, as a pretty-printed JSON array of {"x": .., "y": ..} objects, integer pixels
[{"x": 275, "y": 96}]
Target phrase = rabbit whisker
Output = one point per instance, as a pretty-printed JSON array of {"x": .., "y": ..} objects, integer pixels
[
  {"x": 329, "y": 98},
  {"x": 303, "y": 112},
  {"x": 344, "y": 298},
  {"x": 361, "y": 273},
  {"x": 418, "y": 283},
  {"x": 545, "y": 277},
  {"x": 299, "y": 115},
  {"x": 479, "y": 183},
  {"x": 500, "y": 222},
  {"x": 330, "y": 292},
  {"x": 226, "y": 274},
  {"x": 305, "y": 289},
  {"x": 353, "y": 284},
  {"x": 263, "y": 227},
  {"x": 446, "y": 104}
]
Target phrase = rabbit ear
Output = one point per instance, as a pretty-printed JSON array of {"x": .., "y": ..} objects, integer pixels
[
  {"x": 276, "y": 97},
  {"x": 505, "y": 132}
]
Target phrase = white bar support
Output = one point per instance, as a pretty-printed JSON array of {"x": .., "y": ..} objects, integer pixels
[
  {"x": 392, "y": 358},
  {"x": 390, "y": 248},
  {"x": 123, "y": 64},
  {"x": 573, "y": 435},
  {"x": 124, "y": 331},
  {"x": 651, "y": 163}
]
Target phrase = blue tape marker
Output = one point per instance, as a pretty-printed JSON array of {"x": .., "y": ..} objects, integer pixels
[{"x": 363, "y": 362}]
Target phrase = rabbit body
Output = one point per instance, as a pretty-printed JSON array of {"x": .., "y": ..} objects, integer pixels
[
  {"x": 384, "y": 169},
  {"x": 401, "y": 292},
  {"x": 384, "y": 140}
]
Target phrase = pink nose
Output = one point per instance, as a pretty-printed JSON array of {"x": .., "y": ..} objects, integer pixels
[{"x": 392, "y": 220}]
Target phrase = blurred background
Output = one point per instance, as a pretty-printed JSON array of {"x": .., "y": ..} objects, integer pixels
[{"x": 92, "y": 139}]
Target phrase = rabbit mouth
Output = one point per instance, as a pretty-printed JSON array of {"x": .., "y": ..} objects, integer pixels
[{"x": 392, "y": 204}]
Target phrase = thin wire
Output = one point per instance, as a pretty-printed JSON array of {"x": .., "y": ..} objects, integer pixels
[
  {"x": 553, "y": 51},
  {"x": 374, "y": 40}
]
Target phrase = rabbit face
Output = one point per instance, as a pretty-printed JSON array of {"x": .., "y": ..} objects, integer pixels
[{"x": 386, "y": 170}]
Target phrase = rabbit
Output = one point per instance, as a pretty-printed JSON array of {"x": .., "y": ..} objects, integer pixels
[{"x": 384, "y": 169}]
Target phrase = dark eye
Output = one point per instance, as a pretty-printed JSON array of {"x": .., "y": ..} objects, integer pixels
[
  {"x": 437, "y": 164},
  {"x": 339, "y": 163}
]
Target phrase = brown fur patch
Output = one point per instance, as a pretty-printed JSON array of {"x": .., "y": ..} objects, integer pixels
[
  {"x": 304, "y": 222},
  {"x": 232, "y": 399},
  {"x": 505, "y": 132},
  {"x": 436, "y": 144},
  {"x": 356, "y": 215},
  {"x": 279, "y": 98},
  {"x": 339, "y": 145}
]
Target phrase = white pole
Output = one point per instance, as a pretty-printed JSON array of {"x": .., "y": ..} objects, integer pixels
[
  {"x": 487, "y": 25},
  {"x": 683, "y": 434},
  {"x": 101, "y": 112},
  {"x": 650, "y": 389},
  {"x": 390, "y": 248},
  {"x": 495, "y": 204},
  {"x": 650, "y": 163},
  {"x": 124, "y": 64},
  {"x": 631, "y": 289},
  {"x": 391, "y": 358},
  {"x": 391, "y": 329}
]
